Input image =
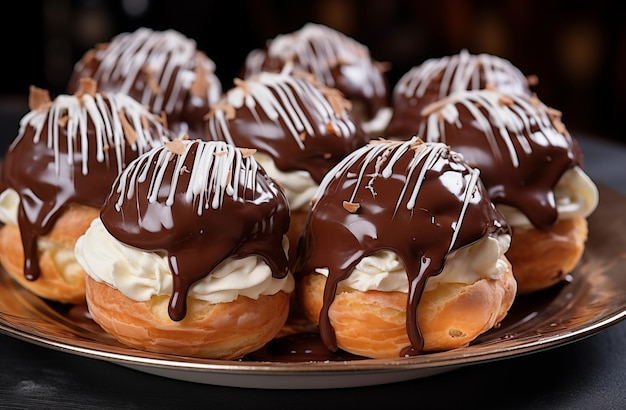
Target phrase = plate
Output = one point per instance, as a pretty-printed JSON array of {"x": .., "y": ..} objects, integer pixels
[{"x": 591, "y": 299}]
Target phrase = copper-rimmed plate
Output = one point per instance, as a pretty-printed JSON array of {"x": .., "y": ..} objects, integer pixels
[{"x": 592, "y": 299}]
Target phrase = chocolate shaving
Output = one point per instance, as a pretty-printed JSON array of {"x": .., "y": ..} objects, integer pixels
[
  {"x": 534, "y": 100},
  {"x": 533, "y": 80},
  {"x": 243, "y": 85},
  {"x": 307, "y": 76},
  {"x": 200, "y": 84},
  {"x": 332, "y": 129},
  {"x": 163, "y": 119},
  {"x": 336, "y": 100},
  {"x": 433, "y": 107},
  {"x": 247, "y": 152},
  {"x": 175, "y": 146},
  {"x": 383, "y": 66},
  {"x": 505, "y": 100},
  {"x": 38, "y": 98},
  {"x": 87, "y": 86},
  {"x": 129, "y": 130},
  {"x": 150, "y": 80},
  {"x": 351, "y": 207},
  {"x": 229, "y": 111},
  {"x": 62, "y": 121}
]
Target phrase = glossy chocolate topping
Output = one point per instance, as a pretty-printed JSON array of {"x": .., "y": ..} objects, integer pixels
[
  {"x": 200, "y": 202},
  {"x": 335, "y": 59},
  {"x": 69, "y": 151},
  {"x": 300, "y": 123},
  {"x": 437, "y": 78},
  {"x": 520, "y": 145},
  {"x": 419, "y": 200},
  {"x": 161, "y": 69}
]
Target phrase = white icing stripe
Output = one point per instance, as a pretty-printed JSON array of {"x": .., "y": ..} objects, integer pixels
[
  {"x": 425, "y": 158},
  {"x": 512, "y": 121},
  {"x": 462, "y": 72},
  {"x": 216, "y": 172},
  {"x": 317, "y": 47},
  {"x": 109, "y": 136},
  {"x": 277, "y": 95},
  {"x": 163, "y": 53}
]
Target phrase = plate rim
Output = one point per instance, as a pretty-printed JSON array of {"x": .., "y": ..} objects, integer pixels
[{"x": 203, "y": 370}]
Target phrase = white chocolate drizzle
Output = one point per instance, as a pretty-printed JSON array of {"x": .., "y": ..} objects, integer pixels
[
  {"x": 164, "y": 54},
  {"x": 509, "y": 117},
  {"x": 284, "y": 98},
  {"x": 219, "y": 169},
  {"x": 385, "y": 155},
  {"x": 108, "y": 113},
  {"x": 461, "y": 72},
  {"x": 319, "y": 49}
]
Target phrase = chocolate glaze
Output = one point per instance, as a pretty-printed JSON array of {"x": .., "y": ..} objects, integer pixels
[
  {"x": 419, "y": 200},
  {"x": 69, "y": 151},
  {"x": 520, "y": 145},
  {"x": 335, "y": 59},
  {"x": 437, "y": 78},
  {"x": 300, "y": 123},
  {"x": 161, "y": 69},
  {"x": 299, "y": 347},
  {"x": 200, "y": 202}
]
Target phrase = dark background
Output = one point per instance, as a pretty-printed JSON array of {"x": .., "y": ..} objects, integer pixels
[{"x": 576, "y": 48}]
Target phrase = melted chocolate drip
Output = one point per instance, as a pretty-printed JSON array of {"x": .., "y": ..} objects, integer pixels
[
  {"x": 520, "y": 146},
  {"x": 417, "y": 200},
  {"x": 299, "y": 347},
  {"x": 70, "y": 152},
  {"x": 200, "y": 205},
  {"x": 301, "y": 124},
  {"x": 437, "y": 78}
]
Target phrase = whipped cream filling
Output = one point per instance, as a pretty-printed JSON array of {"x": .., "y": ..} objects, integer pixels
[
  {"x": 385, "y": 272},
  {"x": 9, "y": 204},
  {"x": 575, "y": 194},
  {"x": 298, "y": 186},
  {"x": 140, "y": 274},
  {"x": 379, "y": 122}
]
